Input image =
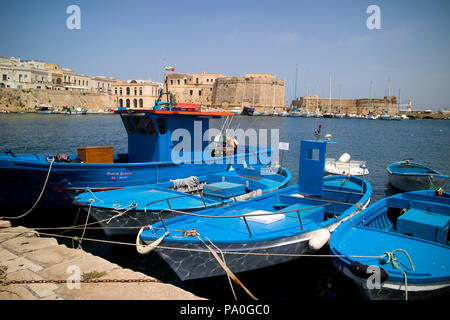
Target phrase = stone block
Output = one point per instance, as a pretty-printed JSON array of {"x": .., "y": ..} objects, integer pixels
[{"x": 26, "y": 244}]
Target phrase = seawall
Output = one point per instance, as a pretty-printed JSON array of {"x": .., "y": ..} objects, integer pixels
[{"x": 27, "y": 99}]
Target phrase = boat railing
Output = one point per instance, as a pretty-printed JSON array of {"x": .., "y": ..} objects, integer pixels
[{"x": 243, "y": 216}]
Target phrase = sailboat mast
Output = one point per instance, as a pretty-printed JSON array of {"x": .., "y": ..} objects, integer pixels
[
  {"x": 307, "y": 94},
  {"x": 340, "y": 99},
  {"x": 329, "y": 98},
  {"x": 295, "y": 89}
]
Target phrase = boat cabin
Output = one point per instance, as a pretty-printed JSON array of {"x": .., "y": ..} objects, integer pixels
[{"x": 150, "y": 131}]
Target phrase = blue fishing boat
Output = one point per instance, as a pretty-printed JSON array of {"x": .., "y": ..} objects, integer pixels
[
  {"x": 264, "y": 231},
  {"x": 126, "y": 210},
  {"x": 410, "y": 176},
  {"x": 398, "y": 247},
  {"x": 152, "y": 157}
]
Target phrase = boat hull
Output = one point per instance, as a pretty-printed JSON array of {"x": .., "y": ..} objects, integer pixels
[
  {"x": 407, "y": 183},
  {"x": 390, "y": 290},
  {"x": 22, "y": 177},
  {"x": 200, "y": 263},
  {"x": 239, "y": 257}
]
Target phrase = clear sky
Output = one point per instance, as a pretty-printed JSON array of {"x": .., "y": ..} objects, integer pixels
[{"x": 135, "y": 39}]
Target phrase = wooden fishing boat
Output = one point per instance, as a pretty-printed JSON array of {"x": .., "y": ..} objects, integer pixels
[
  {"x": 264, "y": 231},
  {"x": 409, "y": 176},
  {"x": 126, "y": 210},
  {"x": 398, "y": 247}
]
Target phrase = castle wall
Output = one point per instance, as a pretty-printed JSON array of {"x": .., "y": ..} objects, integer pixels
[
  {"x": 347, "y": 106},
  {"x": 258, "y": 91}
]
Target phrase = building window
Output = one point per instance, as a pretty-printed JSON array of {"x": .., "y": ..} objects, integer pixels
[
  {"x": 120, "y": 91},
  {"x": 191, "y": 92},
  {"x": 171, "y": 81},
  {"x": 128, "y": 91},
  {"x": 140, "y": 91},
  {"x": 185, "y": 81},
  {"x": 115, "y": 91},
  {"x": 178, "y": 82},
  {"x": 5, "y": 77},
  {"x": 196, "y": 80},
  {"x": 134, "y": 103},
  {"x": 207, "y": 80},
  {"x": 128, "y": 103},
  {"x": 87, "y": 82},
  {"x": 141, "y": 103},
  {"x": 135, "y": 91},
  {"x": 199, "y": 93},
  {"x": 120, "y": 103}
]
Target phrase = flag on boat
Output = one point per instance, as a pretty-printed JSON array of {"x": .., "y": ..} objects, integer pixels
[{"x": 170, "y": 68}]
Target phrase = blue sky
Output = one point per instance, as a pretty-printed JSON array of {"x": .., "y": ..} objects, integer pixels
[{"x": 135, "y": 39}]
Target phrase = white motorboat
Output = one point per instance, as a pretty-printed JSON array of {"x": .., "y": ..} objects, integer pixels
[{"x": 346, "y": 166}]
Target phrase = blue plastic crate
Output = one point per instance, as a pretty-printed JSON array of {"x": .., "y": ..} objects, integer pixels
[
  {"x": 223, "y": 190},
  {"x": 424, "y": 225}
]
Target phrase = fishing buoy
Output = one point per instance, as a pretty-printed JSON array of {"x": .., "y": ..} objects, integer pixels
[{"x": 319, "y": 239}]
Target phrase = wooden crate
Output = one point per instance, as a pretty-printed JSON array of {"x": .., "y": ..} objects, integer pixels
[{"x": 96, "y": 154}]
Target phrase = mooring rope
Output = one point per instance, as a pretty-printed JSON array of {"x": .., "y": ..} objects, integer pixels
[
  {"x": 438, "y": 190},
  {"x": 40, "y": 195},
  {"x": 392, "y": 258},
  {"x": 200, "y": 250},
  {"x": 226, "y": 269},
  {"x": 85, "y": 224}
]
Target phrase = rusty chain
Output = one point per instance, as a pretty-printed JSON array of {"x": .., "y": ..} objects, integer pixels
[{"x": 8, "y": 282}]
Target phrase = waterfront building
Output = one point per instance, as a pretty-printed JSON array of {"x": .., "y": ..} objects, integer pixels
[
  {"x": 135, "y": 93},
  {"x": 31, "y": 74}
]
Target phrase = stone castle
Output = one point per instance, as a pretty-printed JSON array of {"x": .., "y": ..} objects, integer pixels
[
  {"x": 314, "y": 103},
  {"x": 261, "y": 91}
]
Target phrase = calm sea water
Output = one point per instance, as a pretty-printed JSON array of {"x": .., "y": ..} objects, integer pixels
[{"x": 374, "y": 141}]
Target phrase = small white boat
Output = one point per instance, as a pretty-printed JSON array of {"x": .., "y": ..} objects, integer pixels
[
  {"x": 44, "y": 109},
  {"x": 236, "y": 110},
  {"x": 284, "y": 114},
  {"x": 346, "y": 166},
  {"x": 294, "y": 114}
]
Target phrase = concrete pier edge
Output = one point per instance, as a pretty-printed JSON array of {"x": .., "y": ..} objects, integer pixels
[{"x": 26, "y": 256}]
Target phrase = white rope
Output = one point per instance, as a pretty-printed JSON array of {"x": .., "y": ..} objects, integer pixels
[
  {"x": 223, "y": 258},
  {"x": 40, "y": 195},
  {"x": 226, "y": 269},
  {"x": 120, "y": 213},
  {"x": 200, "y": 250},
  {"x": 85, "y": 224},
  {"x": 189, "y": 182}
]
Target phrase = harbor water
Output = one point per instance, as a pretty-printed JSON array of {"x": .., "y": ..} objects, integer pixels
[{"x": 376, "y": 142}]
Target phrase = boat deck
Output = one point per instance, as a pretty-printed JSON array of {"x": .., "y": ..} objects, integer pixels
[{"x": 431, "y": 260}]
